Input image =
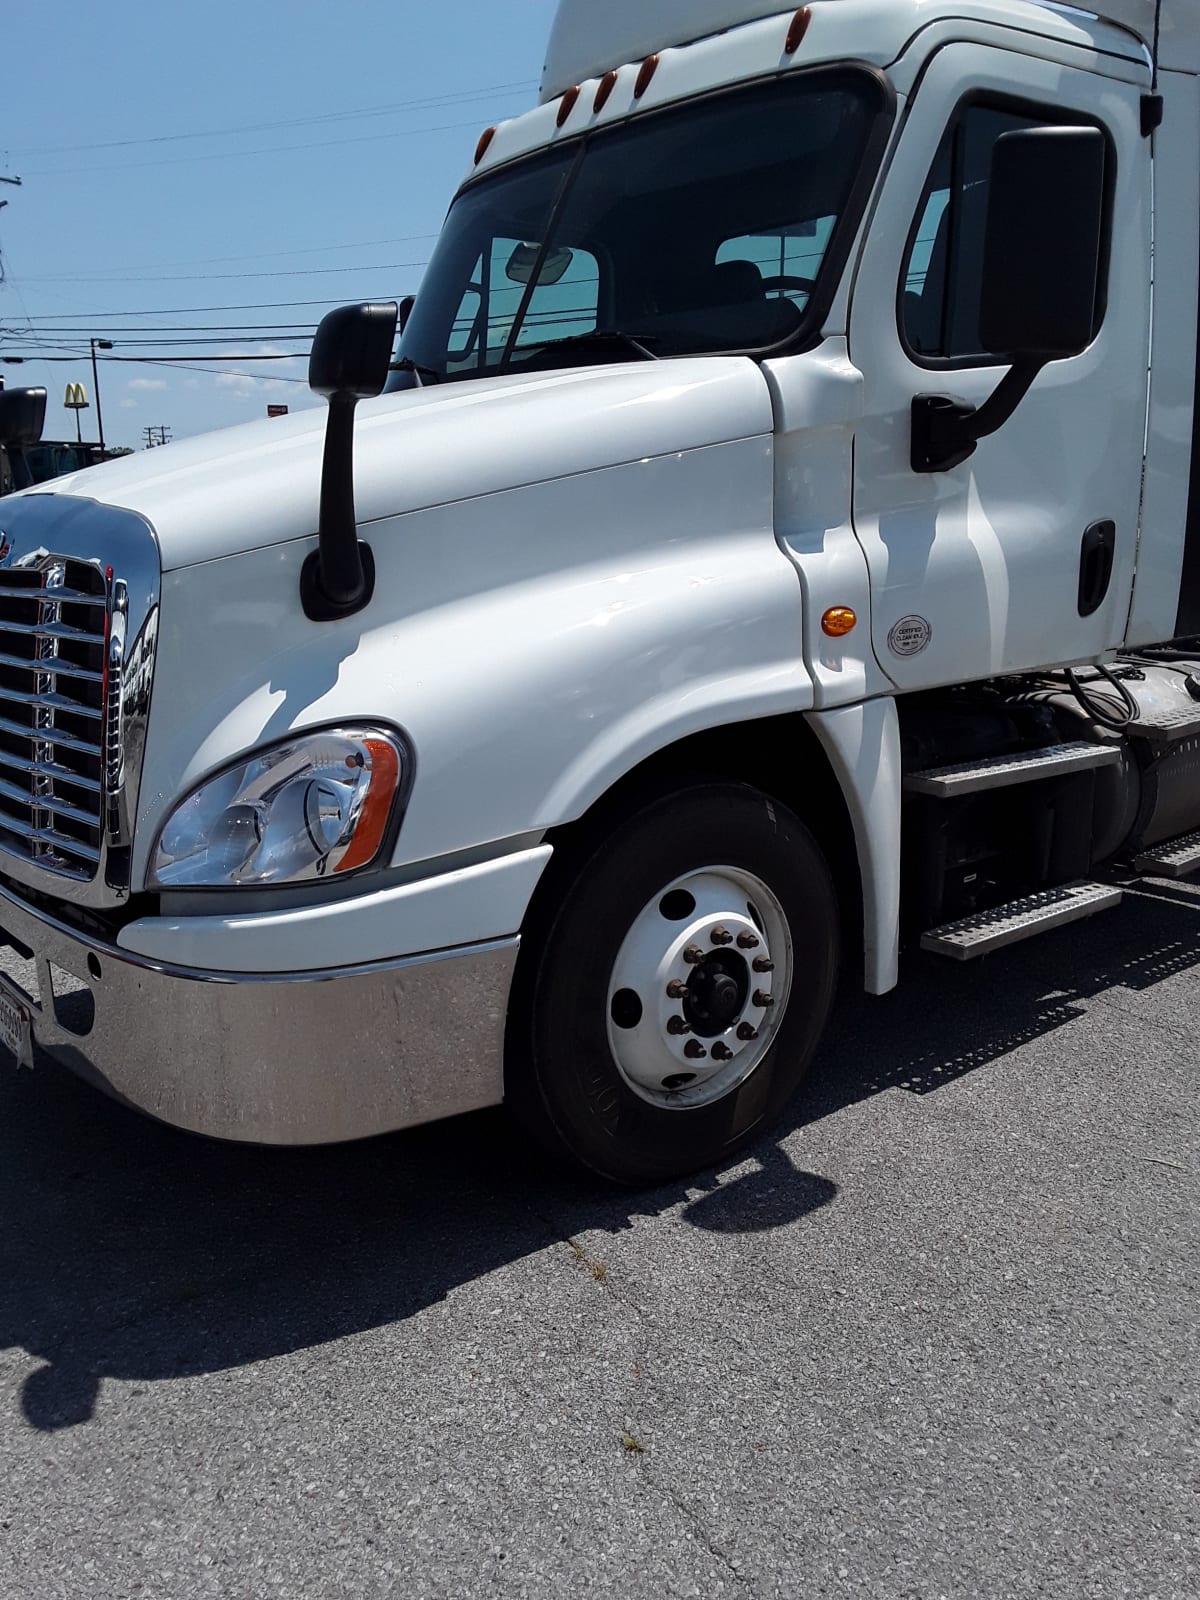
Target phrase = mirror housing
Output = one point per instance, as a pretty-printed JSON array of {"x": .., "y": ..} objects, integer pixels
[
  {"x": 1041, "y": 283},
  {"x": 407, "y": 306},
  {"x": 22, "y": 415},
  {"x": 351, "y": 357},
  {"x": 1043, "y": 252}
]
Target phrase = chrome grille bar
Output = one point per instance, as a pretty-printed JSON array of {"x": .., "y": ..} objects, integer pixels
[{"x": 52, "y": 712}]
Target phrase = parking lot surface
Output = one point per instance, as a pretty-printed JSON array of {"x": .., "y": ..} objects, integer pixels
[{"x": 936, "y": 1338}]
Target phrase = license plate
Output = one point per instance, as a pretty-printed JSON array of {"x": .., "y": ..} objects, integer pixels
[{"x": 15, "y": 1031}]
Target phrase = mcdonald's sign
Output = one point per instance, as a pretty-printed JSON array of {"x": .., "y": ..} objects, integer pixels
[{"x": 76, "y": 398}]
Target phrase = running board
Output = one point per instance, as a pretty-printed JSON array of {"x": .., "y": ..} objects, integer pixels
[
  {"x": 1178, "y": 858},
  {"x": 1169, "y": 728},
  {"x": 1021, "y": 919},
  {"x": 1003, "y": 772}
]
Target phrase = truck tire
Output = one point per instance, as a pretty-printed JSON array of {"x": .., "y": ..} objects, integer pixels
[{"x": 674, "y": 987}]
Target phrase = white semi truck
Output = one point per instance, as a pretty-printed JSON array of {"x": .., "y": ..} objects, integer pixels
[{"x": 762, "y": 552}]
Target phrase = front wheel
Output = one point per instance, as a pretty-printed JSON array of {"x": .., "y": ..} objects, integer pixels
[{"x": 673, "y": 995}]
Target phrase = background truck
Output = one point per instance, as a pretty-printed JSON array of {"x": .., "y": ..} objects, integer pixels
[{"x": 768, "y": 552}]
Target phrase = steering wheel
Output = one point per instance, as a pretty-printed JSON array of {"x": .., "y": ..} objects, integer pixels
[{"x": 785, "y": 283}]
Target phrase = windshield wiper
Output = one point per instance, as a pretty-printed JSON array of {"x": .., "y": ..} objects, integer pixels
[
  {"x": 423, "y": 375},
  {"x": 602, "y": 337}
]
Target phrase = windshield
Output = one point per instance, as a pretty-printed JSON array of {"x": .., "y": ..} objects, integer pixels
[{"x": 707, "y": 228}]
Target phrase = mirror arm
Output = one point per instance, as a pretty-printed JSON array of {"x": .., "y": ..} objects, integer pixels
[
  {"x": 946, "y": 432},
  {"x": 338, "y": 579}
]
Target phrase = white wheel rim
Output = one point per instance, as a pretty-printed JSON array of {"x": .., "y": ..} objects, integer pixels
[{"x": 699, "y": 988}]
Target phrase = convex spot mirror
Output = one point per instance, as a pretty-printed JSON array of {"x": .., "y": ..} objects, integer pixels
[
  {"x": 1044, "y": 251},
  {"x": 352, "y": 352},
  {"x": 22, "y": 415},
  {"x": 524, "y": 259}
]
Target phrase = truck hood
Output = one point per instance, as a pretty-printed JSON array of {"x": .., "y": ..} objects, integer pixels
[{"x": 258, "y": 485}]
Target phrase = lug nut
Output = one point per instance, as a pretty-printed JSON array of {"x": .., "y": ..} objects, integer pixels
[
  {"x": 764, "y": 964},
  {"x": 763, "y": 1001},
  {"x": 748, "y": 941},
  {"x": 721, "y": 935},
  {"x": 721, "y": 1052},
  {"x": 677, "y": 1026},
  {"x": 677, "y": 989},
  {"x": 747, "y": 1033},
  {"x": 694, "y": 1050},
  {"x": 693, "y": 955}
]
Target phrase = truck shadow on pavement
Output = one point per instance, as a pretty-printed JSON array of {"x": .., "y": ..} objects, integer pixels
[{"x": 133, "y": 1252}]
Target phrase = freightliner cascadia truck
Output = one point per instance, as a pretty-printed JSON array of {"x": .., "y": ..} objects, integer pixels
[{"x": 774, "y": 542}]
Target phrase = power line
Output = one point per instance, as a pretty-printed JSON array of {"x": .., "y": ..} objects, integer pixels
[
  {"x": 190, "y": 311},
  {"x": 243, "y": 155},
  {"x": 206, "y": 277},
  {"x": 466, "y": 98}
]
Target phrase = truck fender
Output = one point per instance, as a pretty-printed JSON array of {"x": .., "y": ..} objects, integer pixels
[{"x": 862, "y": 745}]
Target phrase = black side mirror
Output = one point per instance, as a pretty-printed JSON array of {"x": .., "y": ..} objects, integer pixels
[
  {"x": 407, "y": 306},
  {"x": 1042, "y": 280},
  {"x": 22, "y": 415},
  {"x": 1043, "y": 254},
  {"x": 351, "y": 356}
]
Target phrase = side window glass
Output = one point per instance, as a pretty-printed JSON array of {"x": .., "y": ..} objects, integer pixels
[
  {"x": 566, "y": 301},
  {"x": 787, "y": 260},
  {"x": 940, "y": 304}
]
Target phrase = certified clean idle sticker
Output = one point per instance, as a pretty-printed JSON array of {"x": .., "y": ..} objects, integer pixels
[{"x": 910, "y": 636}]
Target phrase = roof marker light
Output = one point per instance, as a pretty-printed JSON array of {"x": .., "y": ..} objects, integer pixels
[
  {"x": 569, "y": 101},
  {"x": 484, "y": 145},
  {"x": 604, "y": 93},
  {"x": 646, "y": 76},
  {"x": 797, "y": 30}
]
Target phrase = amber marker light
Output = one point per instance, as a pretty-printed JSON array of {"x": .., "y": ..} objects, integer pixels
[
  {"x": 604, "y": 93},
  {"x": 377, "y": 807},
  {"x": 797, "y": 30},
  {"x": 645, "y": 77},
  {"x": 484, "y": 145},
  {"x": 568, "y": 103},
  {"x": 838, "y": 621}
]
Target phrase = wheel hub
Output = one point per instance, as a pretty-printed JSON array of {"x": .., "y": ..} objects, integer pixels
[{"x": 699, "y": 988}]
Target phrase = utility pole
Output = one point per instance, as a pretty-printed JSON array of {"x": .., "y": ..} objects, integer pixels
[
  {"x": 156, "y": 436},
  {"x": 98, "y": 344}
]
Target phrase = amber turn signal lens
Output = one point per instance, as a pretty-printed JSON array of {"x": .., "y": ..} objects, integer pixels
[
  {"x": 569, "y": 101},
  {"x": 838, "y": 621},
  {"x": 377, "y": 807},
  {"x": 797, "y": 30},
  {"x": 484, "y": 145}
]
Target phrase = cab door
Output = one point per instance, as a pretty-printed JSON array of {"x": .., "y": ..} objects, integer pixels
[{"x": 1023, "y": 556}]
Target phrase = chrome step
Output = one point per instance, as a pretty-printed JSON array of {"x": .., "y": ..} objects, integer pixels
[
  {"x": 1020, "y": 919},
  {"x": 1177, "y": 858},
  {"x": 1002, "y": 772},
  {"x": 1169, "y": 728}
]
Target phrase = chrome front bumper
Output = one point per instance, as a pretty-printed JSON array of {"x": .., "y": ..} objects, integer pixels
[{"x": 310, "y": 1058}]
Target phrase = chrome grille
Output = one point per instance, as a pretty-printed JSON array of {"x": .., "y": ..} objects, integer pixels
[{"x": 54, "y": 614}]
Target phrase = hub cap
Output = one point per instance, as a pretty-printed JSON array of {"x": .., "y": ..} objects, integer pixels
[{"x": 699, "y": 988}]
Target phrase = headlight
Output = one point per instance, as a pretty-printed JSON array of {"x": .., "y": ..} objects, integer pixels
[{"x": 314, "y": 808}]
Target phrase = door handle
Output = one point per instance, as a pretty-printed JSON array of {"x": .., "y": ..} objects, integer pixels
[{"x": 1096, "y": 566}]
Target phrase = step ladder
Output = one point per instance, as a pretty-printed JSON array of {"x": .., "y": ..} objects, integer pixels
[
  {"x": 1177, "y": 858},
  {"x": 1004, "y": 772},
  {"x": 1170, "y": 728},
  {"x": 988, "y": 931}
]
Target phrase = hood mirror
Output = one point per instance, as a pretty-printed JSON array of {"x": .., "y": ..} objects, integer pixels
[
  {"x": 351, "y": 356},
  {"x": 22, "y": 415}
]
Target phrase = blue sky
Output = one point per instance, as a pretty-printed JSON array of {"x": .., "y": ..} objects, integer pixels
[{"x": 121, "y": 212}]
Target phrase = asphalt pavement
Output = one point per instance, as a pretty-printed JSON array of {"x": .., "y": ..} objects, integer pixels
[{"x": 937, "y": 1338}]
